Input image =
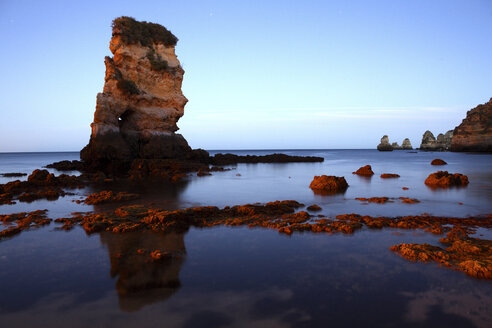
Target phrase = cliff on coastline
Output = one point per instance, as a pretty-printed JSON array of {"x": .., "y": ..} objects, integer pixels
[
  {"x": 137, "y": 112},
  {"x": 475, "y": 132}
]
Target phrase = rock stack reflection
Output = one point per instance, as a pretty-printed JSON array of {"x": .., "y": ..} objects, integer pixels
[{"x": 147, "y": 266}]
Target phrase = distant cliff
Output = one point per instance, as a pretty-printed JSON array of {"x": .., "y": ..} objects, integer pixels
[
  {"x": 442, "y": 143},
  {"x": 475, "y": 132}
]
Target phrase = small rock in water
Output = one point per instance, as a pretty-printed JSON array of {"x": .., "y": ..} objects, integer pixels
[
  {"x": 438, "y": 161},
  {"x": 328, "y": 184},
  {"x": 389, "y": 175},
  {"x": 364, "y": 171}
]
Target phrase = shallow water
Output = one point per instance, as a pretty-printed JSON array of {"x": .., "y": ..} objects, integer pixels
[{"x": 251, "y": 277}]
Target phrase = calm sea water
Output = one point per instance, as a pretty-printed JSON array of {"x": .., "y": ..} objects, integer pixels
[{"x": 251, "y": 277}]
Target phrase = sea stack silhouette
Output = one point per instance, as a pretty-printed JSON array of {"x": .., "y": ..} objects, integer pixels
[{"x": 137, "y": 113}]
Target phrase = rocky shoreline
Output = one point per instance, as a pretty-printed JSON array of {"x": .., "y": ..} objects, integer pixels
[{"x": 464, "y": 253}]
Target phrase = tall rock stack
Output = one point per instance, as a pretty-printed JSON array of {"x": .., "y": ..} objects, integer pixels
[
  {"x": 142, "y": 101},
  {"x": 428, "y": 141},
  {"x": 475, "y": 132},
  {"x": 384, "y": 145},
  {"x": 406, "y": 145}
]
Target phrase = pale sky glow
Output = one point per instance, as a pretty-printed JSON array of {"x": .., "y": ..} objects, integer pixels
[{"x": 258, "y": 75}]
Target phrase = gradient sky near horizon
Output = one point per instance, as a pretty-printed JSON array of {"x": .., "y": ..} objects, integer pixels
[{"x": 259, "y": 74}]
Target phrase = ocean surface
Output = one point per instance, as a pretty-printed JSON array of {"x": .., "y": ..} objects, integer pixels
[{"x": 245, "y": 277}]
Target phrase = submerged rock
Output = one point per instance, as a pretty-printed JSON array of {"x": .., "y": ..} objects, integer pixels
[
  {"x": 384, "y": 145},
  {"x": 475, "y": 132},
  {"x": 384, "y": 200},
  {"x": 389, "y": 175},
  {"x": 314, "y": 208},
  {"x": 108, "y": 196},
  {"x": 469, "y": 255},
  {"x": 142, "y": 101},
  {"x": 23, "y": 221},
  {"x": 443, "y": 179}
]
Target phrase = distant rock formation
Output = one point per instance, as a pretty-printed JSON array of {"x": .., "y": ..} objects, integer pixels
[
  {"x": 406, "y": 145},
  {"x": 443, "y": 141},
  {"x": 385, "y": 145},
  {"x": 475, "y": 132},
  {"x": 142, "y": 101}
]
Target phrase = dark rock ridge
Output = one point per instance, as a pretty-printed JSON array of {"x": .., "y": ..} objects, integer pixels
[
  {"x": 229, "y": 159},
  {"x": 67, "y": 165},
  {"x": 442, "y": 143},
  {"x": 475, "y": 132}
]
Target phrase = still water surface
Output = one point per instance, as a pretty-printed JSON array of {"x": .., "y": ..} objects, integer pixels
[{"x": 251, "y": 277}]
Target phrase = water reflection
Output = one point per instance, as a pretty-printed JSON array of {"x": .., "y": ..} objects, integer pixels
[{"x": 142, "y": 279}]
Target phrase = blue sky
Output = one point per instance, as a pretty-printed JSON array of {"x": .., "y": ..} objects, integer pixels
[{"x": 259, "y": 74}]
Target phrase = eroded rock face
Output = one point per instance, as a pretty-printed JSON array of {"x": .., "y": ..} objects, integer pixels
[
  {"x": 475, "y": 132},
  {"x": 443, "y": 141},
  {"x": 406, "y": 145},
  {"x": 396, "y": 146},
  {"x": 137, "y": 112},
  {"x": 384, "y": 145}
]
